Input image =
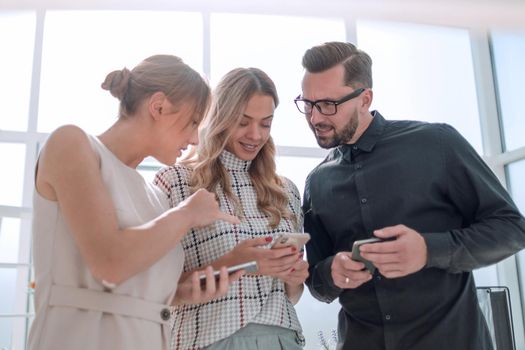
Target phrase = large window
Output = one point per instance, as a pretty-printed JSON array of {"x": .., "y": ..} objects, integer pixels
[
  {"x": 423, "y": 72},
  {"x": 77, "y": 55},
  {"x": 276, "y": 45}
]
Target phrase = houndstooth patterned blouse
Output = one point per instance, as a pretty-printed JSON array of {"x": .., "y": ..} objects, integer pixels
[{"x": 255, "y": 299}]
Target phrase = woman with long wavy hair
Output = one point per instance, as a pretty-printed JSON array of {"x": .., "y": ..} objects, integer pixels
[{"x": 235, "y": 160}]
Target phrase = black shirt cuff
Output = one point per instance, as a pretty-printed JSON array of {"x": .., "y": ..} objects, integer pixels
[
  {"x": 322, "y": 283},
  {"x": 439, "y": 249}
]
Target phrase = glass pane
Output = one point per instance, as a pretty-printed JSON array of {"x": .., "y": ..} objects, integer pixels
[
  {"x": 9, "y": 240},
  {"x": 17, "y": 39},
  {"x": 13, "y": 301},
  {"x": 516, "y": 178},
  {"x": 296, "y": 169},
  {"x": 424, "y": 73},
  {"x": 12, "y": 333},
  {"x": 8, "y": 290},
  {"x": 12, "y": 174},
  {"x": 13, "y": 294},
  {"x": 77, "y": 56},
  {"x": 276, "y": 45},
  {"x": 508, "y": 50},
  {"x": 486, "y": 276},
  {"x": 5, "y": 332}
]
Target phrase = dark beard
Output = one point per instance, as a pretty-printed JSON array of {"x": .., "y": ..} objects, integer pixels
[{"x": 342, "y": 137}]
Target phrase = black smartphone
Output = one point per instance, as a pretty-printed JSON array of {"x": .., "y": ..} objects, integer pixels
[{"x": 356, "y": 253}]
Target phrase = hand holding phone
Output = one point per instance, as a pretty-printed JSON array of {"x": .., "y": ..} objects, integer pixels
[
  {"x": 356, "y": 253},
  {"x": 296, "y": 239},
  {"x": 249, "y": 267}
]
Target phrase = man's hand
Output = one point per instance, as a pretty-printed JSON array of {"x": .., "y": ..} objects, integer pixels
[
  {"x": 347, "y": 273},
  {"x": 401, "y": 257}
]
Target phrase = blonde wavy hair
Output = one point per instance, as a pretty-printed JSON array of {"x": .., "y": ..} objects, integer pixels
[{"x": 229, "y": 100}]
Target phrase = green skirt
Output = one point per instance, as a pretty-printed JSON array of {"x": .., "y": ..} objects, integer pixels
[{"x": 255, "y": 336}]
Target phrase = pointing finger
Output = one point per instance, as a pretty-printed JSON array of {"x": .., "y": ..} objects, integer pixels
[{"x": 229, "y": 218}]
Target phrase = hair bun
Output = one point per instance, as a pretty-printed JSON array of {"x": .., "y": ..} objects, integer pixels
[{"x": 116, "y": 82}]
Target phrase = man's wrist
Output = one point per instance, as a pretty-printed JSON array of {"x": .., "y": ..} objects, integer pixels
[{"x": 439, "y": 249}]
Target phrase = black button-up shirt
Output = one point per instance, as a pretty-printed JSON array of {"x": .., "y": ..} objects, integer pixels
[{"x": 427, "y": 177}]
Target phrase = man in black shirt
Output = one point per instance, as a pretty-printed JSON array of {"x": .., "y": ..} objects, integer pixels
[{"x": 418, "y": 183}]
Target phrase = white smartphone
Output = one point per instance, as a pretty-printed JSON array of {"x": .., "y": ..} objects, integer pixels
[
  {"x": 296, "y": 239},
  {"x": 249, "y": 267}
]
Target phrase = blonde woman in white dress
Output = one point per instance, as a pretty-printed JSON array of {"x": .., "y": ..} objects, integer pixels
[{"x": 106, "y": 250}]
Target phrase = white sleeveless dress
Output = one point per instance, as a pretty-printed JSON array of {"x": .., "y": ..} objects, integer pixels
[{"x": 75, "y": 311}]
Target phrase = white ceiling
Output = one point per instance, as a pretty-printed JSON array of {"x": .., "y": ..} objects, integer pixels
[{"x": 463, "y": 13}]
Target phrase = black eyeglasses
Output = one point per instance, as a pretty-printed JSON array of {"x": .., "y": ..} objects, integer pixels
[{"x": 325, "y": 107}]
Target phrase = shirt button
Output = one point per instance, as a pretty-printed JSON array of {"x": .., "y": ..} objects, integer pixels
[
  {"x": 354, "y": 148},
  {"x": 165, "y": 314},
  {"x": 378, "y": 278},
  {"x": 387, "y": 317},
  {"x": 364, "y": 200},
  {"x": 358, "y": 166}
]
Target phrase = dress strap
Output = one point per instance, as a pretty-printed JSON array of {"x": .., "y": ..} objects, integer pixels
[{"x": 90, "y": 299}]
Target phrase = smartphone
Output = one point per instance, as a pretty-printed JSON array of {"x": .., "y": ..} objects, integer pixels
[
  {"x": 250, "y": 266},
  {"x": 356, "y": 254},
  {"x": 296, "y": 239}
]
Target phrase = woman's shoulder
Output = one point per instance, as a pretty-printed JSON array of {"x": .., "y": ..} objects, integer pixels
[
  {"x": 68, "y": 144},
  {"x": 176, "y": 170},
  {"x": 174, "y": 175},
  {"x": 67, "y": 153},
  {"x": 68, "y": 135},
  {"x": 289, "y": 185}
]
